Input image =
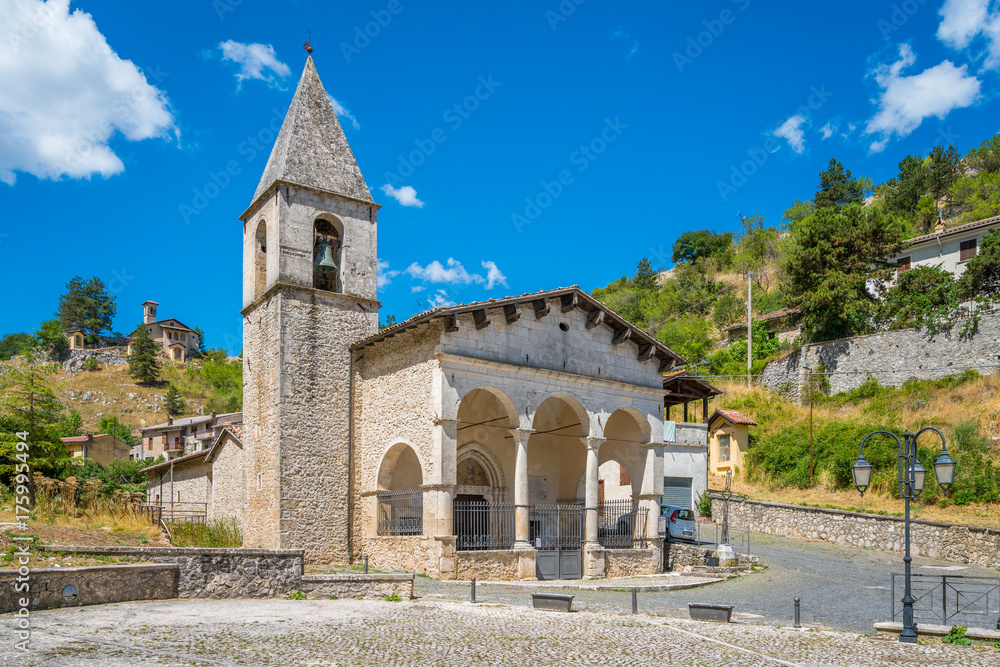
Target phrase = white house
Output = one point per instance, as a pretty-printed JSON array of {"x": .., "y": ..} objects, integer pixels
[{"x": 948, "y": 248}]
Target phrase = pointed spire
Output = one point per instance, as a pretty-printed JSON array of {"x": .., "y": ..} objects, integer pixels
[{"x": 311, "y": 148}]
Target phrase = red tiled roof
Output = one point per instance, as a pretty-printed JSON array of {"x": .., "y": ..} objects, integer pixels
[
  {"x": 733, "y": 416},
  {"x": 954, "y": 230},
  {"x": 82, "y": 438}
]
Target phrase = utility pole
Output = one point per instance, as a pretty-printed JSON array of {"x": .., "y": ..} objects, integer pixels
[
  {"x": 810, "y": 423},
  {"x": 749, "y": 328}
]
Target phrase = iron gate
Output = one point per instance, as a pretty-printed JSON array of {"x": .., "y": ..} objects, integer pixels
[
  {"x": 950, "y": 599},
  {"x": 557, "y": 533}
]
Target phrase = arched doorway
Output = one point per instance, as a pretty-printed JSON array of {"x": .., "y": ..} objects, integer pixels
[{"x": 400, "y": 508}]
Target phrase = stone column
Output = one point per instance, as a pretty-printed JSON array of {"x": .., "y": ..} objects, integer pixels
[
  {"x": 439, "y": 496},
  {"x": 593, "y": 552},
  {"x": 521, "y": 508},
  {"x": 651, "y": 490}
]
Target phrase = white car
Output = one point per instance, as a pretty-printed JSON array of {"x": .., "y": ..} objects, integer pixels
[{"x": 680, "y": 522}]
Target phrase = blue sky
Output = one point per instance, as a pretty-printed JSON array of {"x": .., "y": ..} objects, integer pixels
[{"x": 588, "y": 134}]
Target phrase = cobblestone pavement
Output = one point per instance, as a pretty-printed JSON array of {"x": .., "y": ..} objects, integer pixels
[
  {"x": 349, "y": 632},
  {"x": 840, "y": 587}
]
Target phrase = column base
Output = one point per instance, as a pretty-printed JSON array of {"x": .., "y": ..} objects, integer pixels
[
  {"x": 594, "y": 565},
  {"x": 525, "y": 561}
]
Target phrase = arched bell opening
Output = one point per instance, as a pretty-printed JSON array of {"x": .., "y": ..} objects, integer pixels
[
  {"x": 260, "y": 260},
  {"x": 327, "y": 244}
]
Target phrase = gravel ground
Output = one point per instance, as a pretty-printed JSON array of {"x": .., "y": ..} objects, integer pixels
[
  {"x": 840, "y": 588},
  {"x": 349, "y": 632}
]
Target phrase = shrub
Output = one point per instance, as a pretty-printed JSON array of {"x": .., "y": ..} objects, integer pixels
[
  {"x": 222, "y": 534},
  {"x": 392, "y": 597},
  {"x": 296, "y": 595},
  {"x": 704, "y": 505},
  {"x": 91, "y": 364},
  {"x": 957, "y": 636}
]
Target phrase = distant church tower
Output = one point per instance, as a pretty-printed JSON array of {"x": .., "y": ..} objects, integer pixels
[{"x": 309, "y": 291}]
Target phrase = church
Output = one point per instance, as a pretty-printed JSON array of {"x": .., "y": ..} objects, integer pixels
[{"x": 465, "y": 441}]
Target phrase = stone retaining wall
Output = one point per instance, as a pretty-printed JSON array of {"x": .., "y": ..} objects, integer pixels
[
  {"x": 226, "y": 573},
  {"x": 487, "y": 565},
  {"x": 357, "y": 586},
  {"x": 891, "y": 357},
  {"x": 940, "y": 541},
  {"x": 681, "y": 556},
  {"x": 422, "y": 555},
  {"x": 95, "y": 585},
  {"x": 631, "y": 562}
]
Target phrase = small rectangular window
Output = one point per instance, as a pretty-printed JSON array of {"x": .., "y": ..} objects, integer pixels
[
  {"x": 724, "y": 448},
  {"x": 967, "y": 250},
  {"x": 623, "y": 478},
  {"x": 902, "y": 265}
]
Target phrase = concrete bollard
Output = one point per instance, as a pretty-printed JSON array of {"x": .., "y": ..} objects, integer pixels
[
  {"x": 473, "y": 590},
  {"x": 797, "y": 624},
  {"x": 366, "y": 563},
  {"x": 635, "y": 602}
]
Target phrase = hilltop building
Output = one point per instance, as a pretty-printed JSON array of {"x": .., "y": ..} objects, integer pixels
[{"x": 177, "y": 339}]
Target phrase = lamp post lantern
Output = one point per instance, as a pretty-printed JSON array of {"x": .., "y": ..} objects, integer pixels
[{"x": 912, "y": 476}]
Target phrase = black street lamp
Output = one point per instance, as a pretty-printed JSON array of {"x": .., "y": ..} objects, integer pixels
[{"x": 911, "y": 482}]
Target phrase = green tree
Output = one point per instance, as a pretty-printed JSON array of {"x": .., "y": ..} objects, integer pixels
[
  {"x": 729, "y": 309},
  {"x": 921, "y": 296},
  {"x": 703, "y": 244},
  {"x": 15, "y": 343},
  {"x": 86, "y": 306},
  {"x": 756, "y": 248},
  {"x": 51, "y": 337},
  {"x": 688, "y": 336},
  {"x": 645, "y": 276},
  {"x": 69, "y": 424},
  {"x": 833, "y": 255},
  {"x": 979, "y": 194},
  {"x": 111, "y": 424},
  {"x": 389, "y": 321},
  {"x": 837, "y": 188},
  {"x": 172, "y": 403},
  {"x": 986, "y": 156},
  {"x": 943, "y": 169},
  {"x": 901, "y": 194},
  {"x": 982, "y": 272},
  {"x": 28, "y": 404},
  {"x": 798, "y": 211},
  {"x": 144, "y": 364}
]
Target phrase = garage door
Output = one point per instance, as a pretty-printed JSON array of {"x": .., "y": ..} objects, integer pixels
[{"x": 677, "y": 491}]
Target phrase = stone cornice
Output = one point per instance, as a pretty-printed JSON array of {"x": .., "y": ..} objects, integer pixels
[{"x": 333, "y": 296}]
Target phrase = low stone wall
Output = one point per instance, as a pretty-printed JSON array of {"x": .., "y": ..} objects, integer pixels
[
  {"x": 95, "y": 585},
  {"x": 487, "y": 565},
  {"x": 680, "y": 556},
  {"x": 225, "y": 573},
  {"x": 418, "y": 554},
  {"x": 631, "y": 562},
  {"x": 940, "y": 541},
  {"x": 357, "y": 586}
]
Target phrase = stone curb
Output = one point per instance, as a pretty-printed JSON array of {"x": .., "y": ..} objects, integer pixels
[
  {"x": 171, "y": 551},
  {"x": 97, "y": 568},
  {"x": 940, "y": 630},
  {"x": 327, "y": 578},
  {"x": 651, "y": 588}
]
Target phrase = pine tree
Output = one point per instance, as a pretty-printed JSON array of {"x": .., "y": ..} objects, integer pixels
[
  {"x": 143, "y": 364},
  {"x": 201, "y": 340},
  {"x": 86, "y": 306},
  {"x": 172, "y": 402},
  {"x": 645, "y": 276},
  {"x": 837, "y": 187}
]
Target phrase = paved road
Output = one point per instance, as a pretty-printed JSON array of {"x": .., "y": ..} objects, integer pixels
[
  {"x": 373, "y": 633},
  {"x": 840, "y": 587}
]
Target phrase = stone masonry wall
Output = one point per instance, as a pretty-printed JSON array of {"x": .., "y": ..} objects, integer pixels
[
  {"x": 357, "y": 586},
  {"x": 891, "y": 357},
  {"x": 96, "y": 585},
  {"x": 631, "y": 562},
  {"x": 681, "y": 556},
  {"x": 487, "y": 565},
  {"x": 229, "y": 484},
  {"x": 416, "y": 554},
  {"x": 226, "y": 573},
  {"x": 940, "y": 541}
]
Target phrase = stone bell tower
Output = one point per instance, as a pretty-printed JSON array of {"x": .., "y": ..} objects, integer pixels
[{"x": 309, "y": 291}]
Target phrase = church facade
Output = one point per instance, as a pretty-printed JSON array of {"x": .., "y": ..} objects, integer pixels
[{"x": 464, "y": 441}]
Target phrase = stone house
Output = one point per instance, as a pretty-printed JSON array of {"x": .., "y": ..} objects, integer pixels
[
  {"x": 729, "y": 440},
  {"x": 465, "y": 441},
  {"x": 685, "y": 448},
  {"x": 176, "y": 438},
  {"x": 177, "y": 339},
  {"x": 102, "y": 447}
]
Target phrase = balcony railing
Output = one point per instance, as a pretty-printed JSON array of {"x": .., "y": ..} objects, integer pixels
[{"x": 173, "y": 447}]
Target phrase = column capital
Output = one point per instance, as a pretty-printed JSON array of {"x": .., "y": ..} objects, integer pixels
[
  {"x": 521, "y": 435},
  {"x": 593, "y": 443}
]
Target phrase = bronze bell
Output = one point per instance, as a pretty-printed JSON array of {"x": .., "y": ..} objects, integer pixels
[{"x": 324, "y": 258}]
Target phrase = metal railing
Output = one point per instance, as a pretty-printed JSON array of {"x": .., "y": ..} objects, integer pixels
[
  {"x": 173, "y": 447},
  {"x": 557, "y": 527},
  {"x": 401, "y": 512},
  {"x": 950, "y": 599},
  {"x": 152, "y": 512},
  {"x": 481, "y": 526},
  {"x": 177, "y": 512},
  {"x": 621, "y": 525},
  {"x": 710, "y": 534}
]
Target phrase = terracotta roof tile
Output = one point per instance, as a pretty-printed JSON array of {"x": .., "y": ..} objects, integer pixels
[{"x": 733, "y": 416}]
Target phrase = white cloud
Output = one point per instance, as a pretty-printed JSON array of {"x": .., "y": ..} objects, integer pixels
[
  {"x": 256, "y": 61},
  {"x": 828, "y": 130},
  {"x": 343, "y": 112},
  {"x": 385, "y": 274},
  {"x": 493, "y": 275},
  {"x": 452, "y": 272},
  {"x": 791, "y": 131},
  {"x": 633, "y": 45},
  {"x": 416, "y": 289},
  {"x": 964, "y": 20},
  {"x": 907, "y": 100},
  {"x": 64, "y": 93},
  {"x": 440, "y": 300},
  {"x": 405, "y": 195}
]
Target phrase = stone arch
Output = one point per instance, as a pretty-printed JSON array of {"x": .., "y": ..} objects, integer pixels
[
  {"x": 400, "y": 469},
  {"x": 260, "y": 259},
  {"x": 328, "y": 243},
  {"x": 546, "y": 412},
  {"x": 476, "y": 400},
  {"x": 479, "y": 473}
]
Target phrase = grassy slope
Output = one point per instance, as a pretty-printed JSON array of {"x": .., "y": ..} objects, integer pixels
[{"x": 929, "y": 404}]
